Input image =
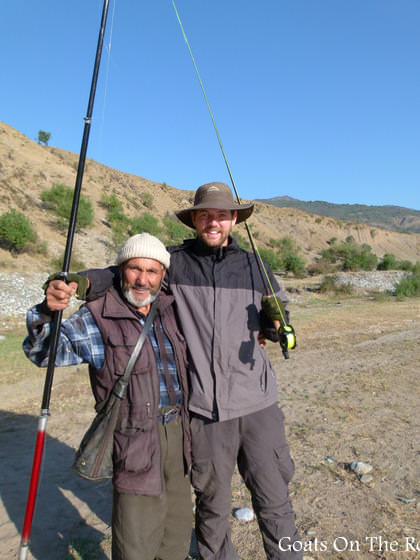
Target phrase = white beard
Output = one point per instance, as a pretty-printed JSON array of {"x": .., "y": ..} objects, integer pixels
[{"x": 136, "y": 302}]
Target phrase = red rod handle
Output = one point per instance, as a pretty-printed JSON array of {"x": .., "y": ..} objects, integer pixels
[{"x": 33, "y": 486}]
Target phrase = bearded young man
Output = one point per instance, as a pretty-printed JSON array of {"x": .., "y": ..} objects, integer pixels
[
  {"x": 233, "y": 408},
  {"x": 152, "y": 513}
]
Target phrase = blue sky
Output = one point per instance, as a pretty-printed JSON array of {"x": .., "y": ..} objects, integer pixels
[{"x": 315, "y": 99}]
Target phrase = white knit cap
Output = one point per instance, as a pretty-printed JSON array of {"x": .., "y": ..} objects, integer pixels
[{"x": 144, "y": 245}]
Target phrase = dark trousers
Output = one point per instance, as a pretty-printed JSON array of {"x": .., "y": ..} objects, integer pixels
[
  {"x": 257, "y": 443},
  {"x": 149, "y": 527}
]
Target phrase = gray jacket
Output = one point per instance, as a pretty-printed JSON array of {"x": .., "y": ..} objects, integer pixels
[{"x": 218, "y": 297}]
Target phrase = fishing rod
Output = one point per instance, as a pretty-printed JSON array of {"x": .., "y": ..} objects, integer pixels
[
  {"x": 57, "y": 316},
  {"x": 271, "y": 303}
]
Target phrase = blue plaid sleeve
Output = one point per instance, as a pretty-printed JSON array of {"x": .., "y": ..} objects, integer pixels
[{"x": 80, "y": 340}]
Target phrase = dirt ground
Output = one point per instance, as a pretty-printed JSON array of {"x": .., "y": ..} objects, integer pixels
[{"x": 350, "y": 392}]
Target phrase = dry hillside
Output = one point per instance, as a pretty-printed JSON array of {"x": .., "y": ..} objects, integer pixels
[{"x": 27, "y": 168}]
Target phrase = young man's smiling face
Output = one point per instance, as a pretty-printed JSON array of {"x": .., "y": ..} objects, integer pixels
[{"x": 213, "y": 226}]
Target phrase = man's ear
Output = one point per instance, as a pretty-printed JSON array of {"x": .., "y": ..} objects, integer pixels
[
  {"x": 192, "y": 213},
  {"x": 234, "y": 217}
]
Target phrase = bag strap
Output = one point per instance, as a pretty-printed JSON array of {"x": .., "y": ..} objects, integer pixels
[{"x": 120, "y": 387}]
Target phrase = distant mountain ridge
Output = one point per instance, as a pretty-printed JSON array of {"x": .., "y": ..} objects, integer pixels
[{"x": 394, "y": 218}]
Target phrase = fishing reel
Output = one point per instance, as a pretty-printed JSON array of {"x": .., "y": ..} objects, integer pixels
[
  {"x": 275, "y": 310},
  {"x": 287, "y": 338}
]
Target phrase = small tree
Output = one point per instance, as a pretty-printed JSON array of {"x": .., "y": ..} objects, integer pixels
[
  {"x": 388, "y": 262},
  {"x": 16, "y": 230},
  {"x": 348, "y": 255},
  {"x": 43, "y": 137}
]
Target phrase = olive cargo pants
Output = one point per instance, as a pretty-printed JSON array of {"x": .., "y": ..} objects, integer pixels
[
  {"x": 149, "y": 527},
  {"x": 257, "y": 443}
]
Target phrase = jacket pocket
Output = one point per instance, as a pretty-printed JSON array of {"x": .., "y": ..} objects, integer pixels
[
  {"x": 263, "y": 379},
  {"x": 202, "y": 476},
  {"x": 121, "y": 350},
  {"x": 135, "y": 445},
  {"x": 282, "y": 452}
]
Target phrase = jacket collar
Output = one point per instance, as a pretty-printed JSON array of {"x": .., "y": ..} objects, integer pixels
[{"x": 199, "y": 248}]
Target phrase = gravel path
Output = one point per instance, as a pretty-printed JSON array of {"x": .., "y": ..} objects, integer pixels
[{"x": 19, "y": 292}]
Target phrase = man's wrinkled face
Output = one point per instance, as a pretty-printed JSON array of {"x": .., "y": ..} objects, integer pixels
[
  {"x": 141, "y": 280},
  {"x": 213, "y": 226}
]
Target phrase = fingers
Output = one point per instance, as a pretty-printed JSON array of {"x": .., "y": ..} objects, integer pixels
[
  {"x": 58, "y": 294},
  {"x": 261, "y": 339}
]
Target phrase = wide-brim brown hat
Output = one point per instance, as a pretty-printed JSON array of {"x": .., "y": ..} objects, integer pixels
[{"x": 215, "y": 195}]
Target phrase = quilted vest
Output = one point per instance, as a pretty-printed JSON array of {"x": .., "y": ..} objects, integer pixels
[{"x": 137, "y": 454}]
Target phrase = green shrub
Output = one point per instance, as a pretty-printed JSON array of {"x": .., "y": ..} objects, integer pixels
[
  {"x": 321, "y": 266},
  {"x": 42, "y": 248},
  {"x": 409, "y": 286},
  {"x": 145, "y": 223},
  {"x": 388, "y": 262},
  {"x": 111, "y": 203},
  {"x": 330, "y": 284},
  {"x": 59, "y": 199},
  {"x": 120, "y": 225},
  {"x": 147, "y": 200},
  {"x": 16, "y": 231},
  {"x": 294, "y": 264},
  {"x": 406, "y": 265},
  {"x": 288, "y": 253},
  {"x": 242, "y": 240},
  {"x": 349, "y": 255},
  {"x": 272, "y": 258},
  {"x": 175, "y": 231},
  {"x": 37, "y": 248},
  {"x": 344, "y": 289},
  {"x": 416, "y": 268},
  {"x": 360, "y": 257}
]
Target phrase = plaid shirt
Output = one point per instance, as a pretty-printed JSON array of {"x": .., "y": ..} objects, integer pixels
[{"x": 80, "y": 342}]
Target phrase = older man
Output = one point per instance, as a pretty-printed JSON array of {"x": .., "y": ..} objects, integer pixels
[
  {"x": 235, "y": 419},
  {"x": 152, "y": 514}
]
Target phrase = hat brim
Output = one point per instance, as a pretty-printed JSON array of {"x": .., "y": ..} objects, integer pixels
[{"x": 244, "y": 211}]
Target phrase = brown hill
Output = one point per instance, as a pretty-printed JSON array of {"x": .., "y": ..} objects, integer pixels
[{"x": 27, "y": 168}]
